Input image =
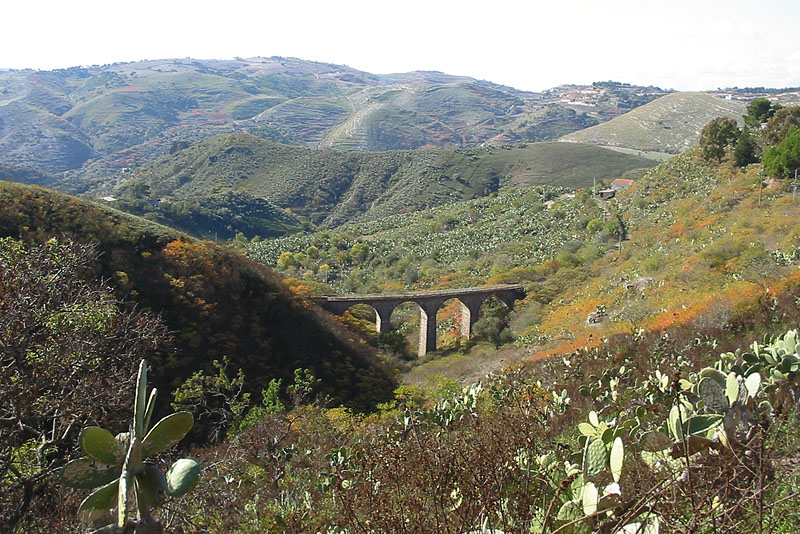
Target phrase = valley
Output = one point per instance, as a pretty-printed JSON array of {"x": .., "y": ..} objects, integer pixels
[{"x": 586, "y": 301}]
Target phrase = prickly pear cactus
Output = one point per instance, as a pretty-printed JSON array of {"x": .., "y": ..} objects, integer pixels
[
  {"x": 118, "y": 465},
  {"x": 594, "y": 458}
]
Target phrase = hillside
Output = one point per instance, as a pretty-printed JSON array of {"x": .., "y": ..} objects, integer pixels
[
  {"x": 698, "y": 248},
  {"x": 333, "y": 187},
  {"x": 460, "y": 244},
  {"x": 671, "y": 123},
  {"x": 217, "y": 304},
  {"x": 26, "y": 176},
  {"x": 97, "y": 120},
  {"x": 702, "y": 252},
  {"x": 605, "y": 415}
]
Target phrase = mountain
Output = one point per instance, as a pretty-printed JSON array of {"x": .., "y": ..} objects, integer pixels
[
  {"x": 218, "y": 304},
  {"x": 671, "y": 123},
  {"x": 97, "y": 120},
  {"x": 333, "y": 187}
]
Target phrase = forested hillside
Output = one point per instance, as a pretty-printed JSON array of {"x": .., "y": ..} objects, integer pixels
[
  {"x": 332, "y": 187},
  {"x": 218, "y": 305}
]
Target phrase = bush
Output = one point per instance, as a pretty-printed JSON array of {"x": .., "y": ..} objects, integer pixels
[
  {"x": 717, "y": 136},
  {"x": 784, "y": 159},
  {"x": 68, "y": 356}
]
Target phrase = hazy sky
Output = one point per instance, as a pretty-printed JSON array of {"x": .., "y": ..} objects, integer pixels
[{"x": 532, "y": 45}]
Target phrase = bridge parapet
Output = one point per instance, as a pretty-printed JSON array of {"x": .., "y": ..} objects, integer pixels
[{"x": 429, "y": 303}]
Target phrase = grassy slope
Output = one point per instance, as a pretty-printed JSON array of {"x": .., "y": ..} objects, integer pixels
[
  {"x": 332, "y": 187},
  {"x": 217, "y": 303},
  {"x": 460, "y": 244},
  {"x": 701, "y": 252},
  {"x": 671, "y": 123}
]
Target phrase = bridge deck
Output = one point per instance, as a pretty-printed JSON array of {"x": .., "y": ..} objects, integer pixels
[{"x": 418, "y": 294}]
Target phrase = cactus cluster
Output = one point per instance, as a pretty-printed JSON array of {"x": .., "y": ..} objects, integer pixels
[
  {"x": 117, "y": 464},
  {"x": 603, "y": 455},
  {"x": 604, "y": 389},
  {"x": 719, "y": 408},
  {"x": 594, "y": 489}
]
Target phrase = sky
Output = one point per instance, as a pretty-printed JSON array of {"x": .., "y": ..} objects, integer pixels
[{"x": 530, "y": 45}]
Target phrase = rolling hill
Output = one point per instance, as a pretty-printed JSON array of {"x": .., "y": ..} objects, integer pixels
[
  {"x": 94, "y": 121},
  {"x": 218, "y": 304},
  {"x": 671, "y": 123},
  {"x": 333, "y": 187}
]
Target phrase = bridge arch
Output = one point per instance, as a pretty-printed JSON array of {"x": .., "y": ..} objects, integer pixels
[{"x": 429, "y": 303}]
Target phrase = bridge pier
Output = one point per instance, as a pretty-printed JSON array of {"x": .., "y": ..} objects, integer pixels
[
  {"x": 429, "y": 303},
  {"x": 427, "y": 327},
  {"x": 470, "y": 312},
  {"x": 383, "y": 314}
]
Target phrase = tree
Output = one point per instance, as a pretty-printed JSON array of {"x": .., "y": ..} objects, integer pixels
[
  {"x": 716, "y": 136},
  {"x": 778, "y": 125},
  {"x": 784, "y": 159},
  {"x": 744, "y": 153},
  {"x": 67, "y": 356},
  {"x": 759, "y": 111}
]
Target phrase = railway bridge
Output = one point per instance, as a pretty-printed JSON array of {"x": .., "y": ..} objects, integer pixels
[{"x": 429, "y": 303}]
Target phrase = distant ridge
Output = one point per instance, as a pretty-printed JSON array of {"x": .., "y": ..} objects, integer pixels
[{"x": 96, "y": 120}]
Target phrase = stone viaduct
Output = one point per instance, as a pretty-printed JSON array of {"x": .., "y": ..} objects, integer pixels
[{"x": 429, "y": 303}]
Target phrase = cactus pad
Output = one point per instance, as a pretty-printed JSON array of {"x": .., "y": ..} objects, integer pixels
[
  {"x": 590, "y": 499},
  {"x": 182, "y": 476},
  {"x": 753, "y": 384},
  {"x": 84, "y": 474},
  {"x": 615, "y": 458},
  {"x": 98, "y": 503},
  {"x": 712, "y": 394},
  {"x": 732, "y": 388},
  {"x": 595, "y": 458},
  {"x": 139, "y": 402},
  {"x": 151, "y": 486},
  {"x": 100, "y": 444},
  {"x": 167, "y": 432}
]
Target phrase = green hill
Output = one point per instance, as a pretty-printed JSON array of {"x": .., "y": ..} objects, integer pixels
[
  {"x": 671, "y": 123},
  {"x": 218, "y": 304},
  {"x": 26, "y": 176},
  {"x": 95, "y": 121},
  {"x": 333, "y": 187}
]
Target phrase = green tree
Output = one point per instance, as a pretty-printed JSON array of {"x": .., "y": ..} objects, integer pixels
[
  {"x": 717, "y": 136},
  {"x": 358, "y": 252},
  {"x": 745, "y": 151},
  {"x": 759, "y": 111},
  {"x": 286, "y": 260},
  {"x": 783, "y": 159},
  {"x": 778, "y": 126}
]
